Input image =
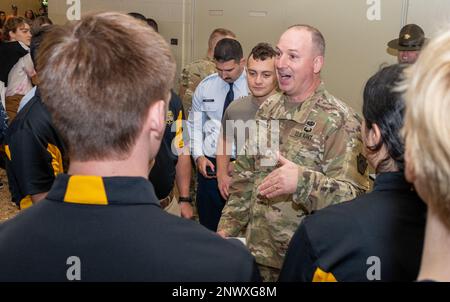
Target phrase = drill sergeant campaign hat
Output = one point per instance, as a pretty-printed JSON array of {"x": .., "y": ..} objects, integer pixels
[{"x": 412, "y": 37}]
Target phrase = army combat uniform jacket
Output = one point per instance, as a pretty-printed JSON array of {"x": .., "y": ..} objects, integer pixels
[
  {"x": 191, "y": 75},
  {"x": 322, "y": 136}
]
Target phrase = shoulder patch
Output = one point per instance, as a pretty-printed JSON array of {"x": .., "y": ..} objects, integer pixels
[
  {"x": 361, "y": 164},
  {"x": 170, "y": 117}
]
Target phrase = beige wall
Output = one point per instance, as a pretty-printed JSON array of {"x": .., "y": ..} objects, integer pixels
[
  {"x": 430, "y": 15},
  {"x": 23, "y": 5},
  {"x": 173, "y": 18},
  {"x": 356, "y": 47}
]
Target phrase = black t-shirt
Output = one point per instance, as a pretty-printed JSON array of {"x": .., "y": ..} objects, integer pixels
[
  {"x": 162, "y": 175},
  {"x": 35, "y": 152}
]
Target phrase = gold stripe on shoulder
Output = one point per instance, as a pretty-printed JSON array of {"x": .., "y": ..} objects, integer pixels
[
  {"x": 86, "y": 190},
  {"x": 25, "y": 203},
  {"x": 57, "y": 162},
  {"x": 8, "y": 152},
  {"x": 179, "y": 133},
  {"x": 321, "y": 276}
]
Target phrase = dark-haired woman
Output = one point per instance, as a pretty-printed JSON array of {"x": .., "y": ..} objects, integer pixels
[{"x": 377, "y": 236}]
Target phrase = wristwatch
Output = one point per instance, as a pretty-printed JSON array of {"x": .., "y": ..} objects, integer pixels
[{"x": 184, "y": 199}]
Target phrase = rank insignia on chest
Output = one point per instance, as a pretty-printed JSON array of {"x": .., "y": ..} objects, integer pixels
[
  {"x": 170, "y": 117},
  {"x": 362, "y": 164},
  {"x": 301, "y": 134},
  {"x": 310, "y": 125}
]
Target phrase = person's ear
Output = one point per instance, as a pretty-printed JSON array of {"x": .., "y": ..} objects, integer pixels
[
  {"x": 318, "y": 64},
  {"x": 373, "y": 136},
  {"x": 243, "y": 62},
  {"x": 156, "y": 119}
]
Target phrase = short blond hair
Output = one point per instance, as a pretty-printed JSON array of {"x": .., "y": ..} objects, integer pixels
[
  {"x": 217, "y": 34},
  {"x": 98, "y": 78},
  {"x": 427, "y": 128}
]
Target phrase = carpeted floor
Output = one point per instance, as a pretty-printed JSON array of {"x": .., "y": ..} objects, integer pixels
[{"x": 7, "y": 208}]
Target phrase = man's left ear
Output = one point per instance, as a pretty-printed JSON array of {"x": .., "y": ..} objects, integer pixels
[{"x": 318, "y": 64}]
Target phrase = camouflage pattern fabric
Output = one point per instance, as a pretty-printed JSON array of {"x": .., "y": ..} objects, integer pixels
[
  {"x": 191, "y": 75},
  {"x": 268, "y": 274},
  {"x": 322, "y": 136}
]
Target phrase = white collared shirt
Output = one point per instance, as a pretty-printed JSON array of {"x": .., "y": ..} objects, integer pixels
[{"x": 206, "y": 114}]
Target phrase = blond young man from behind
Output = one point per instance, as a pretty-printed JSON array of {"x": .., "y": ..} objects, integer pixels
[{"x": 104, "y": 214}]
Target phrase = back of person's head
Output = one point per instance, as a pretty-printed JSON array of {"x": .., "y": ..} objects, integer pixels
[
  {"x": 384, "y": 106},
  {"x": 228, "y": 49},
  {"x": 317, "y": 37},
  {"x": 217, "y": 34},
  {"x": 262, "y": 51},
  {"x": 36, "y": 41},
  {"x": 99, "y": 77},
  {"x": 427, "y": 127},
  {"x": 12, "y": 25},
  {"x": 152, "y": 23},
  {"x": 39, "y": 22}
]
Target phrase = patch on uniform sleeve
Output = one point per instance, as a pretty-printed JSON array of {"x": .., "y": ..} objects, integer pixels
[
  {"x": 170, "y": 117},
  {"x": 362, "y": 164}
]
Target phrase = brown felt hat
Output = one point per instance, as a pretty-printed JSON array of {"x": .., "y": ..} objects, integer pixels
[{"x": 412, "y": 37}]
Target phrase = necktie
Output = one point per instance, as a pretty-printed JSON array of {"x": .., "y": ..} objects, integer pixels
[{"x": 229, "y": 98}]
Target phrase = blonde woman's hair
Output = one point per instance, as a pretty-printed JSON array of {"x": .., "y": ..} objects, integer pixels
[{"x": 427, "y": 124}]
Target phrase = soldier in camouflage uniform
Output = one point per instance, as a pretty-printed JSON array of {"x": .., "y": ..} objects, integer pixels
[
  {"x": 193, "y": 73},
  {"x": 320, "y": 161}
]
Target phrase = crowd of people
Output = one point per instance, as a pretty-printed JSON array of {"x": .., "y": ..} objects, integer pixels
[{"x": 101, "y": 160}]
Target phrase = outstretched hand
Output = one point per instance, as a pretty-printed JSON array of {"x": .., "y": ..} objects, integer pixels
[{"x": 281, "y": 181}]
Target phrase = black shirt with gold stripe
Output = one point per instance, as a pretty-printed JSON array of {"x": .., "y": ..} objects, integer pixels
[
  {"x": 115, "y": 229},
  {"x": 162, "y": 175},
  {"x": 34, "y": 152},
  {"x": 376, "y": 237}
]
